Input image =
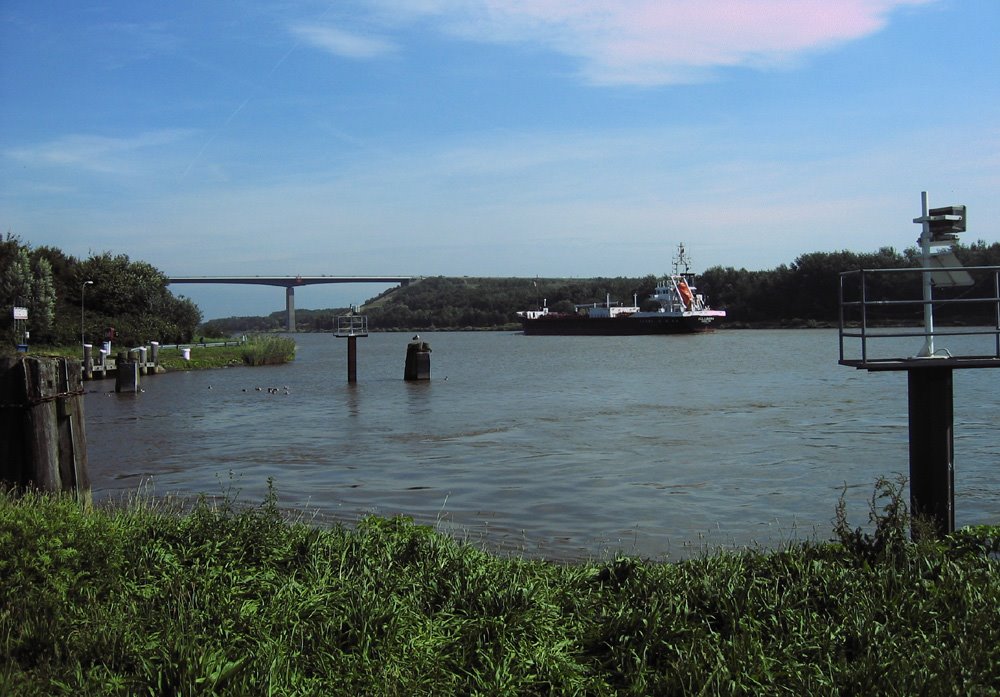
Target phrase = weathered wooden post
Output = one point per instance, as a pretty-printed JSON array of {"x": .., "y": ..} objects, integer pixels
[
  {"x": 43, "y": 442},
  {"x": 418, "y": 360},
  {"x": 102, "y": 362},
  {"x": 88, "y": 361},
  {"x": 127, "y": 373}
]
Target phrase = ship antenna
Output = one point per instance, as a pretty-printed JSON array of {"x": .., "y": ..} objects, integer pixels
[{"x": 681, "y": 260}]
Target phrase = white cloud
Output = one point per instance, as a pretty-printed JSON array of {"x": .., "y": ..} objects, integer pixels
[
  {"x": 94, "y": 153},
  {"x": 342, "y": 43},
  {"x": 651, "y": 42}
]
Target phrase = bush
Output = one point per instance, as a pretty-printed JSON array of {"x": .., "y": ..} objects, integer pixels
[{"x": 268, "y": 349}]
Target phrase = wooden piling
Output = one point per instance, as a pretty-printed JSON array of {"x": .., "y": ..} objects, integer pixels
[
  {"x": 88, "y": 361},
  {"x": 43, "y": 443},
  {"x": 127, "y": 372},
  {"x": 418, "y": 360}
]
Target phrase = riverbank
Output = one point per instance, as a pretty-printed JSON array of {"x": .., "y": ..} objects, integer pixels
[
  {"x": 230, "y": 601},
  {"x": 257, "y": 349}
]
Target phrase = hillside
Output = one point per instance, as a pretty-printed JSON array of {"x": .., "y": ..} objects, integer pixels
[{"x": 804, "y": 292}]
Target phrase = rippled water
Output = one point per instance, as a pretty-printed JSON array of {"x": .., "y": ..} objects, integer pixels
[{"x": 560, "y": 447}]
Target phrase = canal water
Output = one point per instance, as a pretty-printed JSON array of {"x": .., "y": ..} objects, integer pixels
[{"x": 553, "y": 447}]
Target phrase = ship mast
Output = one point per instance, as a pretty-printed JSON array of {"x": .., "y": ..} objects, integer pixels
[{"x": 681, "y": 261}]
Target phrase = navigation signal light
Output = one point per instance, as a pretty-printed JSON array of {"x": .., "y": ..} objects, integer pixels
[{"x": 945, "y": 222}]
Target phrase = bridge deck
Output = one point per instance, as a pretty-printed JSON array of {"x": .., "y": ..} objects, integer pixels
[{"x": 288, "y": 281}]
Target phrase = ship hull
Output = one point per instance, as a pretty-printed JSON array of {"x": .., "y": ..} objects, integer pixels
[{"x": 614, "y": 326}]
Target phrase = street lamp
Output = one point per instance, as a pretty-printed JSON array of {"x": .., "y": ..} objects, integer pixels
[{"x": 83, "y": 299}]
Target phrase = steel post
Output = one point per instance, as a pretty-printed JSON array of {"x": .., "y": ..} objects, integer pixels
[
  {"x": 932, "y": 446},
  {"x": 352, "y": 359}
]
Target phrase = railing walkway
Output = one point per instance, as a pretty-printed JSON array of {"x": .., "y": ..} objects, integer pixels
[
  {"x": 99, "y": 365},
  {"x": 877, "y": 307},
  {"x": 876, "y": 324}
]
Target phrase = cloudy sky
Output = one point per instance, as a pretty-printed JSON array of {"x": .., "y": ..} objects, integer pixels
[{"x": 489, "y": 137}]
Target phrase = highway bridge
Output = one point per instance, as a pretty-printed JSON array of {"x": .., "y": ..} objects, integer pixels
[{"x": 289, "y": 283}]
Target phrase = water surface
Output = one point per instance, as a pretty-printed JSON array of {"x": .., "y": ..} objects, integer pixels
[{"x": 562, "y": 447}]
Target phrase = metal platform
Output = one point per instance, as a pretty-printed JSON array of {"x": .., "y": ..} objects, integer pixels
[
  {"x": 915, "y": 362},
  {"x": 352, "y": 325},
  {"x": 880, "y": 331},
  {"x": 877, "y": 322}
]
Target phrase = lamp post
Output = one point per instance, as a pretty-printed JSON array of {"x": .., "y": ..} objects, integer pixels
[{"x": 83, "y": 299}]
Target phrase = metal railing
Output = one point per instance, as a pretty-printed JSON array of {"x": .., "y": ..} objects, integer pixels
[
  {"x": 352, "y": 325},
  {"x": 875, "y": 306}
]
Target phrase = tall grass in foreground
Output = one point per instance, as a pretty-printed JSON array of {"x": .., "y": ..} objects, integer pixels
[{"x": 225, "y": 601}]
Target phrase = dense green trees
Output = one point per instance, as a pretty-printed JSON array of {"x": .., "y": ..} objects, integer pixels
[
  {"x": 466, "y": 302},
  {"x": 805, "y": 291},
  {"x": 130, "y": 296},
  {"x": 25, "y": 281},
  {"x": 133, "y": 297},
  {"x": 808, "y": 289},
  {"x": 233, "y": 325}
]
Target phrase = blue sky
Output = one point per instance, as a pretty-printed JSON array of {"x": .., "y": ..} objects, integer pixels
[{"x": 489, "y": 137}]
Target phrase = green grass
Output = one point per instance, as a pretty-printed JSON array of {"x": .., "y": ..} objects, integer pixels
[
  {"x": 259, "y": 349},
  {"x": 201, "y": 358},
  {"x": 268, "y": 349},
  {"x": 225, "y": 600}
]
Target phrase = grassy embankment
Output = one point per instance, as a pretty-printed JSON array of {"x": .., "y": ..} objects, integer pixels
[
  {"x": 258, "y": 349},
  {"x": 229, "y": 601}
]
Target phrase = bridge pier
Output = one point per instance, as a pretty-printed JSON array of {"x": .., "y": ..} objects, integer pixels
[
  {"x": 289, "y": 283},
  {"x": 290, "y": 307}
]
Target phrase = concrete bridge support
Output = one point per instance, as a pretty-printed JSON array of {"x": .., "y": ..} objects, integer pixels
[
  {"x": 289, "y": 283},
  {"x": 290, "y": 308}
]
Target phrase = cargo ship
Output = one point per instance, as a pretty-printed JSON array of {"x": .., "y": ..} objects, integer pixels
[{"x": 675, "y": 307}]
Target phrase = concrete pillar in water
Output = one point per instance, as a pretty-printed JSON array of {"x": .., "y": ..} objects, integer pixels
[
  {"x": 290, "y": 308},
  {"x": 43, "y": 442},
  {"x": 418, "y": 360}
]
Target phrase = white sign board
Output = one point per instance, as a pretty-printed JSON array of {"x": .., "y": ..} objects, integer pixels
[{"x": 20, "y": 313}]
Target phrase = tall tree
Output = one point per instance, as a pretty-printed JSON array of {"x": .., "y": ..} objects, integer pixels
[
  {"x": 133, "y": 298},
  {"x": 43, "y": 297}
]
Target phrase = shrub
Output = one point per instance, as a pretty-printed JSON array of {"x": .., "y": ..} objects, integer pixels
[{"x": 267, "y": 349}]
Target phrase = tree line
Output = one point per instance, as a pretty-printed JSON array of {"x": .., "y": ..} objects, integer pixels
[
  {"x": 801, "y": 293},
  {"x": 808, "y": 289},
  {"x": 131, "y": 297}
]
